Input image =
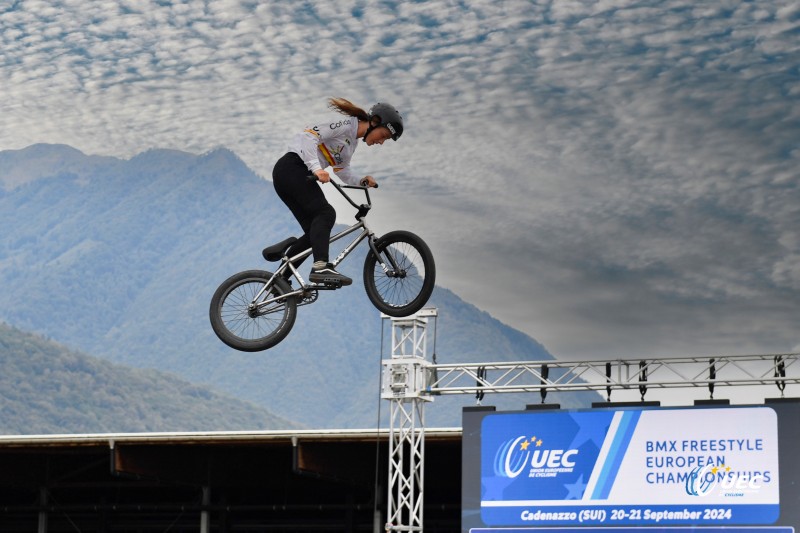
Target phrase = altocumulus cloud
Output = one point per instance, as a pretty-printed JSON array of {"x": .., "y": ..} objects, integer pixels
[{"x": 616, "y": 178}]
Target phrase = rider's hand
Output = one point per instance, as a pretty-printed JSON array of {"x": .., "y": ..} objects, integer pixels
[
  {"x": 322, "y": 176},
  {"x": 368, "y": 181}
]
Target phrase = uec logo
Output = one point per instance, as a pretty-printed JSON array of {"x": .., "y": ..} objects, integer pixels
[
  {"x": 702, "y": 481},
  {"x": 514, "y": 455}
]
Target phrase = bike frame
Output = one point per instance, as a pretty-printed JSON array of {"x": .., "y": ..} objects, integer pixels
[{"x": 287, "y": 263}]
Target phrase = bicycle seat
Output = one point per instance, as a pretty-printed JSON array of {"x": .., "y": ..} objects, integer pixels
[{"x": 277, "y": 251}]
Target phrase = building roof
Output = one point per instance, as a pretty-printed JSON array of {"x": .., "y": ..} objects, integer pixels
[{"x": 215, "y": 437}]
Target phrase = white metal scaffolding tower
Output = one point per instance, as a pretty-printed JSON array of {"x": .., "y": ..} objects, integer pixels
[
  {"x": 410, "y": 381},
  {"x": 404, "y": 385}
]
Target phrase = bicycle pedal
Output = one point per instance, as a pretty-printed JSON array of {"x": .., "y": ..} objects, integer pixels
[{"x": 325, "y": 285}]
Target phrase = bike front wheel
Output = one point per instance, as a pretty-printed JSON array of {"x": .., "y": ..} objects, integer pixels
[
  {"x": 400, "y": 279},
  {"x": 248, "y": 325}
]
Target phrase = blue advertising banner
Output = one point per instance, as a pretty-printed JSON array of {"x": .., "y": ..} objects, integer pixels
[{"x": 630, "y": 467}]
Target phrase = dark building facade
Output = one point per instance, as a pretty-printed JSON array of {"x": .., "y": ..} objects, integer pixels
[{"x": 216, "y": 482}]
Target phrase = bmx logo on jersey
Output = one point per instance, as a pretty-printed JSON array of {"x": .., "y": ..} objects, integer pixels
[{"x": 529, "y": 454}]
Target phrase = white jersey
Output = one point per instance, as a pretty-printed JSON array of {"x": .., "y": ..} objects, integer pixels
[{"x": 329, "y": 144}]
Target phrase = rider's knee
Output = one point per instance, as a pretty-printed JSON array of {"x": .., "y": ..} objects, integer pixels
[{"x": 327, "y": 215}]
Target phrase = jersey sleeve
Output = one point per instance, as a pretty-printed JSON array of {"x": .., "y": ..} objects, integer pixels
[
  {"x": 308, "y": 144},
  {"x": 346, "y": 175}
]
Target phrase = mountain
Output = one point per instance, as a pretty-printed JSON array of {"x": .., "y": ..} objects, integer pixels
[
  {"x": 46, "y": 388},
  {"x": 119, "y": 259}
]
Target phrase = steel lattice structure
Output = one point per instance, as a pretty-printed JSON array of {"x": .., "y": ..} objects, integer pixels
[
  {"x": 410, "y": 380},
  {"x": 404, "y": 384},
  {"x": 617, "y": 374}
]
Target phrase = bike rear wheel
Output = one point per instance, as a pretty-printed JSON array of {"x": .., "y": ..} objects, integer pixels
[
  {"x": 244, "y": 327},
  {"x": 405, "y": 289}
]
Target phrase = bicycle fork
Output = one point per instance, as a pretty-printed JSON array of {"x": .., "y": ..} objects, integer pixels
[{"x": 395, "y": 271}]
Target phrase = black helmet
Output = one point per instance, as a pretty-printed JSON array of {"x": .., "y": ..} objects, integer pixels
[{"x": 389, "y": 117}]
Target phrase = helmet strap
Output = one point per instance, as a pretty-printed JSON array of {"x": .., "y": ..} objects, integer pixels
[
  {"x": 369, "y": 129},
  {"x": 374, "y": 122}
]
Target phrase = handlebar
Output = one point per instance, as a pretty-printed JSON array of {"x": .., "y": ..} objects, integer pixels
[
  {"x": 313, "y": 177},
  {"x": 362, "y": 209}
]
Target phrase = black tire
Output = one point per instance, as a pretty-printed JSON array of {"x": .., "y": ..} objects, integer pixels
[
  {"x": 407, "y": 293},
  {"x": 234, "y": 323}
]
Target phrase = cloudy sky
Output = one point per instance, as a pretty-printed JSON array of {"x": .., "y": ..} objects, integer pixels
[{"x": 616, "y": 178}]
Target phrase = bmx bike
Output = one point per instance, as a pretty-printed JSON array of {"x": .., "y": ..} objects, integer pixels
[{"x": 254, "y": 310}]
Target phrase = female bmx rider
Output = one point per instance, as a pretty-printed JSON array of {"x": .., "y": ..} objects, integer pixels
[{"x": 328, "y": 144}]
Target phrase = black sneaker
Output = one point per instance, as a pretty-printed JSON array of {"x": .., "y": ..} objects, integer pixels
[{"x": 327, "y": 274}]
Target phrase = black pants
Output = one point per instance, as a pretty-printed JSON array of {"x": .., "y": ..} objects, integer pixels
[{"x": 305, "y": 200}]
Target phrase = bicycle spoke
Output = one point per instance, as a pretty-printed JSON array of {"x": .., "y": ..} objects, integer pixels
[
  {"x": 409, "y": 280},
  {"x": 403, "y": 285},
  {"x": 236, "y": 315}
]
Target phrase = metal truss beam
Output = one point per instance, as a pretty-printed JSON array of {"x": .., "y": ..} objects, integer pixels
[
  {"x": 608, "y": 375},
  {"x": 406, "y": 466}
]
